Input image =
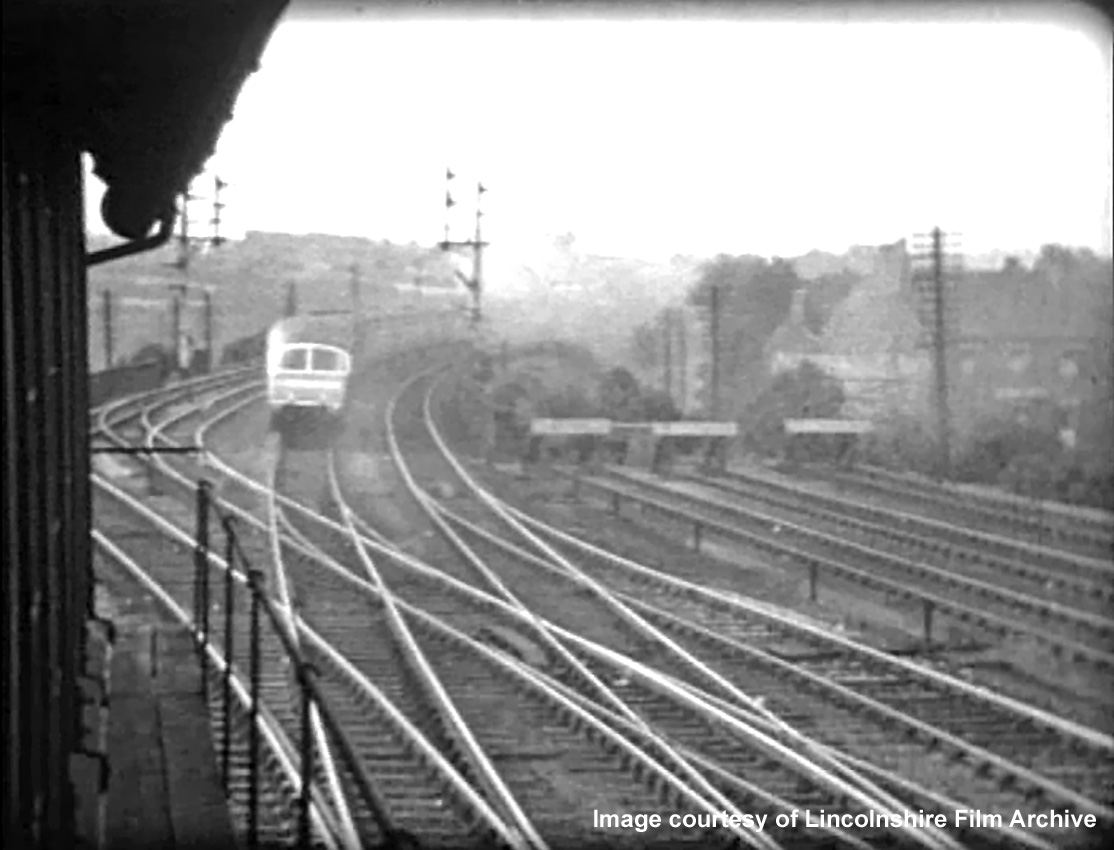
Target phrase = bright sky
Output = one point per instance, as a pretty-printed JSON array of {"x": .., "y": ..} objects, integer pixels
[{"x": 654, "y": 137}]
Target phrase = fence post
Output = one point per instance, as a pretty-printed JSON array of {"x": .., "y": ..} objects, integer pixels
[
  {"x": 201, "y": 580},
  {"x": 929, "y": 606},
  {"x": 255, "y": 582},
  {"x": 813, "y": 578},
  {"x": 305, "y": 674},
  {"x": 229, "y": 619}
]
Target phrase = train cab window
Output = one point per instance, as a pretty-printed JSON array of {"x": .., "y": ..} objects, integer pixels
[
  {"x": 295, "y": 359},
  {"x": 327, "y": 360}
]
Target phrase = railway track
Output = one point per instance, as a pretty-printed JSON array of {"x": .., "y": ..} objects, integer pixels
[
  {"x": 1075, "y": 578},
  {"x": 129, "y": 531},
  {"x": 629, "y": 755},
  {"x": 552, "y": 766},
  {"x": 909, "y": 686},
  {"x": 633, "y": 754},
  {"x": 1088, "y": 532},
  {"x": 657, "y": 728},
  {"x": 1075, "y": 634},
  {"x": 423, "y": 794}
]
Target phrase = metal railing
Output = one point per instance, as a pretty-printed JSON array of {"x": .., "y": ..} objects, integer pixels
[{"x": 238, "y": 569}]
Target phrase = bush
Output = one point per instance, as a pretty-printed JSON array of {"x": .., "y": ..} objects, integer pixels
[
  {"x": 998, "y": 443},
  {"x": 903, "y": 444},
  {"x": 806, "y": 392},
  {"x": 658, "y": 406},
  {"x": 568, "y": 402},
  {"x": 1025, "y": 457}
]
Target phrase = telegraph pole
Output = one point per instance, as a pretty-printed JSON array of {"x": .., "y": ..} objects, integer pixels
[
  {"x": 667, "y": 350},
  {"x": 357, "y": 312},
  {"x": 476, "y": 244},
  {"x": 217, "y": 240},
  {"x": 715, "y": 351},
  {"x": 180, "y": 288},
  {"x": 932, "y": 279},
  {"x": 682, "y": 365},
  {"x": 354, "y": 290},
  {"x": 209, "y": 328},
  {"x": 291, "y": 300},
  {"x": 106, "y": 298}
]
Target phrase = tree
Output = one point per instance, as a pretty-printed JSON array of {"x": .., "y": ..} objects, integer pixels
[
  {"x": 571, "y": 402},
  {"x": 620, "y": 396},
  {"x": 644, "y": 345},
  {"x": 658, "y": 406},
  {"x": 754, "y": 299},
  {"x": 807, "y": 392},
  {"x": 824, "y": 294}
]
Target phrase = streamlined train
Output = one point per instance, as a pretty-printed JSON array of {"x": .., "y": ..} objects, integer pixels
[{"x": 309, "y": 362}]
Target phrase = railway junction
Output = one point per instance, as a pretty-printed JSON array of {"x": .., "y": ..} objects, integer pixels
[
  {"x": 228, "y": 631},
  {"x": 483, "y": 663}
]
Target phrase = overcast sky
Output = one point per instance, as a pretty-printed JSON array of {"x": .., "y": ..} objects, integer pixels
[{"x": 693, "y": 135}]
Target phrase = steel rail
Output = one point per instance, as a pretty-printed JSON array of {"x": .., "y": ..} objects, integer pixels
[
  {"x": 994, "y": 622},
  {"x": 402, "y": 557},
  {"x": 368, "y": 587},
  {"x": 430, "y": 507},
  {"x": 935, "y": 533},
  {"x": 1068, "y": 728},
  {"x": 457, "y": 728},
  {"x": 273, "y": 736},
  {"x": 496, "y": 604},
  {"x": 485, "y": 599},
  {"x": 347, "y": 830},
  {"x": 773, "y": 723},
  {"x": 575, "y": 574},
  {"x": 468, "y": 746},
  {"x": 838, "y": 691},
  {"x": 644, "y": 627},
  {"x": 1056, "y": 724},
  {"x": 381, "y": 702},
  {"x": 538, "y": 627},
  {"x": 446, "y": 631},
  {"x": 976, "y": 587},
  {"x": 1087, "y": 517},
  {"x": 498, "y": 507},
  {"x": 339, "y": 570},
  {"x": 321, "y": 741}
]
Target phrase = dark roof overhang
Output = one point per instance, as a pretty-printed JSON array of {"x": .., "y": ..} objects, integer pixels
[{"x": 145, "y": 86}]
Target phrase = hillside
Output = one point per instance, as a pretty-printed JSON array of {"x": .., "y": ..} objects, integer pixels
[{"x": 249, "y": 280}]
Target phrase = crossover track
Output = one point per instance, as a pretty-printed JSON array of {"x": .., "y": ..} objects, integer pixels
[
  {"x": 908, "y": 684},
  {"x": 444, "y": 806},
  {"x": 514, "y": 678}
]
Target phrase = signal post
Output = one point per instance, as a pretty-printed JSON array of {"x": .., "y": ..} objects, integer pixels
[{"x": 475, "y": 244}]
